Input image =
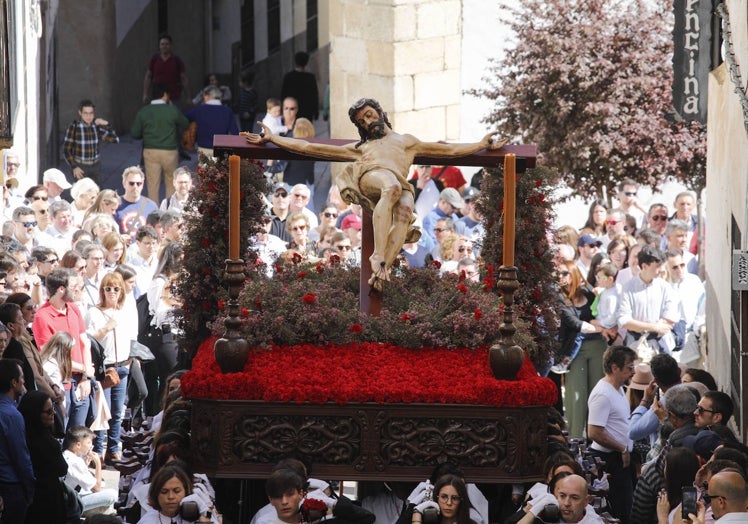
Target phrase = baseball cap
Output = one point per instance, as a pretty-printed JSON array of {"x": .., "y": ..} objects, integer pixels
[
  {"x": 470, "y": 193},
  {"x": 588, "y": 240},
  {"x": 351, "y": 220},
  {"x": 452, "y": 197},
  {"x": 58, "y": 177},
  {"x": 278, "y": 186}
]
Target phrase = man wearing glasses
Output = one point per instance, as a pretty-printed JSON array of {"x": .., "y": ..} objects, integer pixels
[
  {"x": 134, "y": 208},
  {"x": 280, "y": 201},
  {"x": 300, "y": 197},
  {"x": 614, "y": 226},
  {"x": 728, "y": 495},
  {"x": 24, "y": 227},
  {"x": 629, "y": 203},
  {"x": 657, "y": 219},
  {"x": 46, "y": 261},
  {"x": 714, "y": 408},
  {"x": 692, "y": 295}
]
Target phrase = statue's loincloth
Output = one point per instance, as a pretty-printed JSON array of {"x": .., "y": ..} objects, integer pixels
[{"x": 348, "y": 183}]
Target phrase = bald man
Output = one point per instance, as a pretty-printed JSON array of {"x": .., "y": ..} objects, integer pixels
[
  {"x": 729, "y": 498},
  {"x": 572, "y": 499}
]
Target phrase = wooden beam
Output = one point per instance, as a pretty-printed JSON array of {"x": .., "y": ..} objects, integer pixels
[{"x": 237, "y": 145}]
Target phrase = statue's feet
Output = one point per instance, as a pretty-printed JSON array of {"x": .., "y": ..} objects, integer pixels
[{"x": 379, "y": 273}]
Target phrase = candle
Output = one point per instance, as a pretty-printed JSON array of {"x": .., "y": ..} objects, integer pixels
[
  {"x": 510, "y": 183},
  {"x": 234, "y": 192}
]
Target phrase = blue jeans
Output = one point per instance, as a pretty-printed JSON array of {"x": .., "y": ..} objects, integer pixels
[
  {"x": 115, "y": 397},
  {"x": 77, "y": 409}
]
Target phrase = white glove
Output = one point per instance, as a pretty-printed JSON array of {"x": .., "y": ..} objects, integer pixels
[
  {"x": 320, "y": 495},
  {"x": 202, "y": 507},
  {"x": 418, "y": 495},
  {"x": 538, "y": 505},
  {"x": 601, "y": 484},
  {"x": 426, "y": 505},
  {"x": 317, "y": 484},
  {"x": 202, "y": 491}
]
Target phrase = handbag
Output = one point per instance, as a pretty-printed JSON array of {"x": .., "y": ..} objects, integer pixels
[{"x": 111, "y": 378}]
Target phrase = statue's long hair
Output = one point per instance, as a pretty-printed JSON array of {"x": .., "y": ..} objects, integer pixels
[{"x": 355, "y": 108}]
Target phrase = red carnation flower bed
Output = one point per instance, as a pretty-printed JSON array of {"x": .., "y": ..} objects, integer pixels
[{"x": 366, "y": 372}]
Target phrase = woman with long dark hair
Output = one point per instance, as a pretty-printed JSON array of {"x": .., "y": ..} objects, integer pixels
[
  {"x": 595, "y": 224},
  {"x": 46, "y": 458},
  {"x": 451, "y": 496}
]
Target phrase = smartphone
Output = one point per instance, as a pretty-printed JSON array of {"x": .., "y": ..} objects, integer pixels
[{"x": 688, "y": 504}]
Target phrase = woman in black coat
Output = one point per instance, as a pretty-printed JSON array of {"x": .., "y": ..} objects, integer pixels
[{"x": 49, "y": 465}]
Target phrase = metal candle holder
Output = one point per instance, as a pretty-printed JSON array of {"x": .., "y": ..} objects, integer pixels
[
  {"x": 506, "y": 357},
  {"x": 232, "y": 350}
]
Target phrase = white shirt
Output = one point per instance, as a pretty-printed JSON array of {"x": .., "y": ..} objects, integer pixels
[
  {"x": 609, "y": 408},
  {"x": 647, "y": 302},
  {"x": 692, "y": 295},
  {"x": 78, "y": 473}
]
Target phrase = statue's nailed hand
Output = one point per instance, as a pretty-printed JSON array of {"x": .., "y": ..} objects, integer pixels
[
  {"x": 494, "y": 143},
  {"x": 258, "y": 138}
]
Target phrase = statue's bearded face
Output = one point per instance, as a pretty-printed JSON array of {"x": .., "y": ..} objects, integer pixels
[{"x": 376, "y": 129}]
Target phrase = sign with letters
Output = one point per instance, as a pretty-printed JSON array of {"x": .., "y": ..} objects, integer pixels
[{"x": 692, "y": 36}]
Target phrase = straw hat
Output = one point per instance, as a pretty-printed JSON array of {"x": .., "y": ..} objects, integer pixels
[{"x": 642, "y": 377}]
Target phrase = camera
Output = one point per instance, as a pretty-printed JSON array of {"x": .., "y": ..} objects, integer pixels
[
  {"x": 189, "y": 510},
  {"x": 550, "y": 513}
]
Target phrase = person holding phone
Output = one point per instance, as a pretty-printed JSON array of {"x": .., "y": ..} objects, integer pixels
[{"x": 677, "y": 499}]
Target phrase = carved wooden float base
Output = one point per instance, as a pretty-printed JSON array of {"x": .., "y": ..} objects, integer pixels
[{"x": 244, "y": 439}]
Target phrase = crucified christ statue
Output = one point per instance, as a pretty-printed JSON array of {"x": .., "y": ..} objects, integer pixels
[{"x": 376, "y": 178}]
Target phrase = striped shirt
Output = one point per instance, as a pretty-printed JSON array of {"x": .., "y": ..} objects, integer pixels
[{"x": 81, "y": 145}]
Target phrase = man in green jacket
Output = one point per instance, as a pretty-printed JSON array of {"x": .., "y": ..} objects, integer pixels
[{"x": 159, "y": 124}]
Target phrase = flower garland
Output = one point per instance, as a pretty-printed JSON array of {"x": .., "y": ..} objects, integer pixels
[{"x": 365, "y": 372}]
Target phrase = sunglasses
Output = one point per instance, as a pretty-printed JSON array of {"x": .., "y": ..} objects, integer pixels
[
  {"x": 3, "y": 283},
  {"x": 298, "y": 228},
  {"x": 613, "y": 222},
  {"x": 629, "y": 193},
  {"x": 440, "y": 230},
  {"x": 464, "y": 249},
  {"x": 51, "y": 261},
  {"x": 28, "y": 224},
  {"x": 702, "y": 409},
  {"x": 658, "y": 218},
  {"x": 39, "y": 198},
  {"x": 330, "y": 215},
  {"x": 708, "y": 498},
  {"x": 111, "y": 289},
  {"x": 678, "y": 266},
  {"x": 132, "y": 183},
  {"x": 281, "y": 194},
  {"x": 344, "y": 248},
  {"x": 13, "y": 164},
  {"x": 564, "y": 273}
]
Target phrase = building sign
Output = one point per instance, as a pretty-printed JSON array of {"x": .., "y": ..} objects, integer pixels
[{"x": 692, "y": 36}]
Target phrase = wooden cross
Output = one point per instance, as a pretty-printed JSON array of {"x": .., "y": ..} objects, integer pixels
[{"x": 371, "y": 302}]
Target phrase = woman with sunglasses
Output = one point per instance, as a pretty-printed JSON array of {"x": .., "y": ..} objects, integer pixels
[
  {"x": 581, "y": 344},
  {"x": 327, "y": 218},
  {"x": 46, "y": 457},
  {"x": 107, "y": 323},
  {"x": 297, "y": 226}
]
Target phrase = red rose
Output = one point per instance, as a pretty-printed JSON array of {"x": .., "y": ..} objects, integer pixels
[
  {"x": 538, "y": 183},
  {"x": 477, "y": 314},
  {"x": 220, "y": 305},
  {"x": 356, "y": 328},
  {"x": 258, "y": 304},
  {"x": 489, "y": 283},
  {"x": 462, "y": 288},
  {"x": 206, "y": 305},
  {"x": 436, "y": 264},
  {"x": 309, "y": 298},
  {"x": 296, "y": 258},
  {"x": 320, "y": 267},
  {"x": 301, "y": 274},
  {"x": 406, "y": 317},
  {"x": 245, "y": 312}
]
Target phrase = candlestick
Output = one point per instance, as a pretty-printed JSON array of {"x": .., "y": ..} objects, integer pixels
[
  {"x": 510, "y": 182},
  {"x": 234, "y": 192}
]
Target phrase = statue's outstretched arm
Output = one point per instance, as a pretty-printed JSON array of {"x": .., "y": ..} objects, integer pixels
[
  {"x": 457, "y": 150},
  {"x": 330, "y": 152}
]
